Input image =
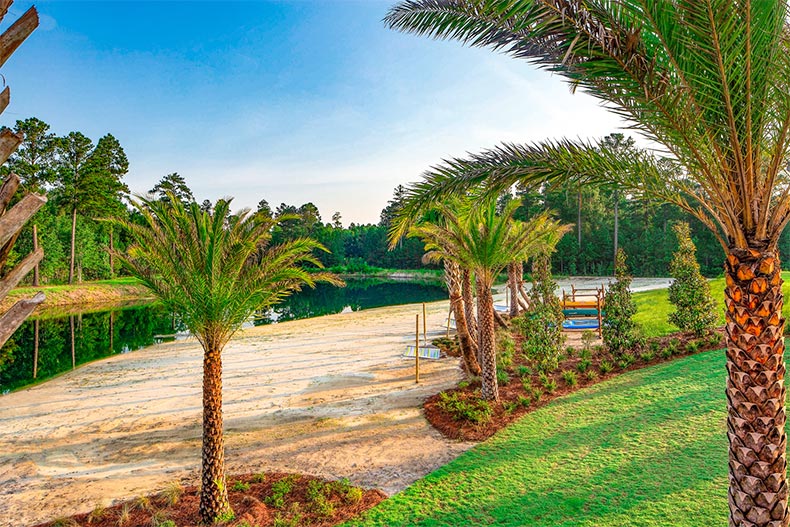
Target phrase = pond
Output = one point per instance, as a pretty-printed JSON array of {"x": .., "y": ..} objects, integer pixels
[{"x": 65, "y": 342}]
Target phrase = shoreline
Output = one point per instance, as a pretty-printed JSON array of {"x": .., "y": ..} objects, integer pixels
[{"x": 329, "y": 396}]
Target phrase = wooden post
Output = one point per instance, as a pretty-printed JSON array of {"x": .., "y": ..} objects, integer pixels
[
  {"x": 417, "y": 352},
  {"x": 35, "y": 248},
  {"x": 35, "y": 348},
  {"x": 424, "y": 326}
]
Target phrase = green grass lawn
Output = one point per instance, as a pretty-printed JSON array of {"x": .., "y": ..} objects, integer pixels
[
  {"x": 647, "y": 448},
  {"x": 653, "y": 307}
]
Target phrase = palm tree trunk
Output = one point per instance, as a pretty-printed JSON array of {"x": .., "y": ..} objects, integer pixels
[
  {"x": 73, "y": 239},
  {"x": 755, "y": 389},
  {"x": 512, "y": 283},
  {"x": 485, "y": 312},
  {"x": 469, "y": 304},
  {"x": 213, "y": 492},
  {"x": 454, "y": 278}
]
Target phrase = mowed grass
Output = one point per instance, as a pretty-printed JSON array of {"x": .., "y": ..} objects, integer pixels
[
  {"x": 653, "y": 307},
  {"x": 646, "y": 448}
]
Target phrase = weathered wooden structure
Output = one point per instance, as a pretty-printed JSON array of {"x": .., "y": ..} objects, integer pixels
[{"x": 13, "y": 218}]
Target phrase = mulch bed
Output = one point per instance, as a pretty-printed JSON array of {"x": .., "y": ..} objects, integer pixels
[
  {"x": 509, "y": 409},
  {"x": 253, "y": 505}
]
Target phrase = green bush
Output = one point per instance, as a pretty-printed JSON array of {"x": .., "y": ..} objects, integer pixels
[
  {"x": 506, "y": 348},
  {"x": 583, "y": 365},
  {"x": 524, "y": 371},
  {"x": 619, "y": 329},
  {"x": 606, "y": 367},
  {"x": 549, "y": 384},
  {"x": 524, "y": 401},
  {"x": 647, "y": 356},
  {"x": 280, "y": 490},
  {"x": 502, "y": 377},
  {"x": 592, "y": 375},
  {"x": 473, "y": 410},
  {"x": 569, "y": 376},
  {"x": 240, "y": 486},
  {"x": 695, "y": 309}
]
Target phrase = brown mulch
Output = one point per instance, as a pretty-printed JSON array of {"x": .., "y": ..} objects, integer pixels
[
  {"x": 508, "y": 410},
  {"x": 249, "y": 505}
]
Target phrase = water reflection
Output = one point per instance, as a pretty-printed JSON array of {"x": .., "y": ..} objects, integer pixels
[{"x": 45, "y": 347}]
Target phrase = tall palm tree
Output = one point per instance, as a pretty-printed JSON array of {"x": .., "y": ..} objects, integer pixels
[
  {"x": 708, "y": 82},
  {"x": 479, "y": 239},
  {"x": 215, "y": 270}
]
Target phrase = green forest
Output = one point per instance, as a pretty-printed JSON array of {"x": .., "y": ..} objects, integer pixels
[{"x": 84, "y": 182}]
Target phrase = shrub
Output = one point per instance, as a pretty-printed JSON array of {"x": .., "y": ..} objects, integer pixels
[
  {"x": 695, "y": 309},
  {"x": 524, "y": 401},
  {"x": 625, "y": 361},
  {"x": 475, "y": 410},
  {"x": 506, "y": 348},
  {"x": 570, "y": 352},
  {"x": 714, "y": 339},
  {"x": 286, "y": 521},
  {"x": 463, "y": 385},
  {"x": 569, "y": 376},
  {"x": 524, "y": 371},
  {"x": 510, "y": 406},
  {"x": 693, "y": 346},
  {"x": 592, "y": 375},
  {"x": 588, "y": 339},
  {"x": 502, "y": 377},
  {"x": 549, "y": 384},
  {"x": 606, "y": 367},
  {"x": 533, "y": 394},
  {"x": 666, "y": 353},
  {"x": 240, "y": 486},
  {"x": 619, "y": 330},
  {"x": 583, "y": 365},
  {"x": 280, "y": 490},
  {"x": 541, "y": 325},
  {"x": 674, "y": 345},
  {"x": 647, "y": 356},
  {"x": 172, "y": 493},
  {"x": 260, "y": 477}
]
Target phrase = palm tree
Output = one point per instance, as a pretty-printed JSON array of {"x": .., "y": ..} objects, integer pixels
[
  {"x": 708, "y": 82},
  {"x": 215, "y": 270},
  {"x": 479, "y": 239}
]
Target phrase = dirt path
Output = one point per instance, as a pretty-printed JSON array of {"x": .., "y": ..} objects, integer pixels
[{"x": 328, "y": 396}]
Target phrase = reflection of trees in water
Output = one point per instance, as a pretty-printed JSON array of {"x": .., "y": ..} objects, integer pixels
[
  {"x": 96, "y": 335},
  {"x": 358, "y": 294}
]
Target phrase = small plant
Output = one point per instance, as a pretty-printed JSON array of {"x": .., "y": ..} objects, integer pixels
[
  {"x": 583, "y": 365},
  {"x": 524, "y": 371},
  {"x": 666, "y": 353},
  {"x": 502, "y": 377},
  {"x": 591, "y": 375},
  {"x": 570, "y": 352},
  {"x": 97, "y": 514},
  {"x": 588, "y": 339},
  {"x": 240, "y": 486},
  {"x": 625, "y": 361},
  {"x": 606, "y": 367},
  {"x": 506, "y": 348},
  {"x": 475, "y": 410},
  {"x": 463, "y": 385},
  {"x": 260, "y": 477},
  {"x": 172, "y": 493},
  {"x": 287, "y": 521},
  {"x": 693, "y": 346},
  {"x": 319, "y": 503},
  {"x": 171, "y": 523},
  {"x": 159, "y": 519},
  {"x": 315, "y": 490},
  {"x": 714, "y": 339},
  {"x": 226, "y": 517},
  {"x": 524, "y": 401},
  {"x": 585, "y": 353},
  {"x": 280, "y": 489},
  {"x": 352, "y": 495},
  {"x": 143, "y": 503},
  {"x": 674, "y": 345},
  {"x": 647, "y": 356},
  {"x": 64, "y": 522},
  {"x": 510, "y": 406},
  {"x": 549, "y": 384},
  {"x": 123, "y": 515},
  {"x": 655, "y": 345},
  {"x": 569, "y": 376}
]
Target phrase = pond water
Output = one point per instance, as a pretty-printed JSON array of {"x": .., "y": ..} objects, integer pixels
[{"x": 65, "y": 342}]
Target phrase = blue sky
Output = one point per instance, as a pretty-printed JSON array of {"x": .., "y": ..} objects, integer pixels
[{"x": 285, "y": 101}]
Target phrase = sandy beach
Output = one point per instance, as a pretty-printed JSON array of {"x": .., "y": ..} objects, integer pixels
[{"x": 329, "y": 396}]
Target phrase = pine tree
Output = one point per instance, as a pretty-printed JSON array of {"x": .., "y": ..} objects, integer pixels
[{"x": 690, "y": 292}]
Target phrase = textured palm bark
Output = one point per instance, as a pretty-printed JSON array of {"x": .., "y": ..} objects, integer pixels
[
  {"x": 485, "y": 312},
  {"x": 213, "y": 491},
  {"x": 454, "y": 279},
  {"x": 469, "y": 307},
  {"x": 512, "y": 284},
  {"x": 755, "y": 390}
]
